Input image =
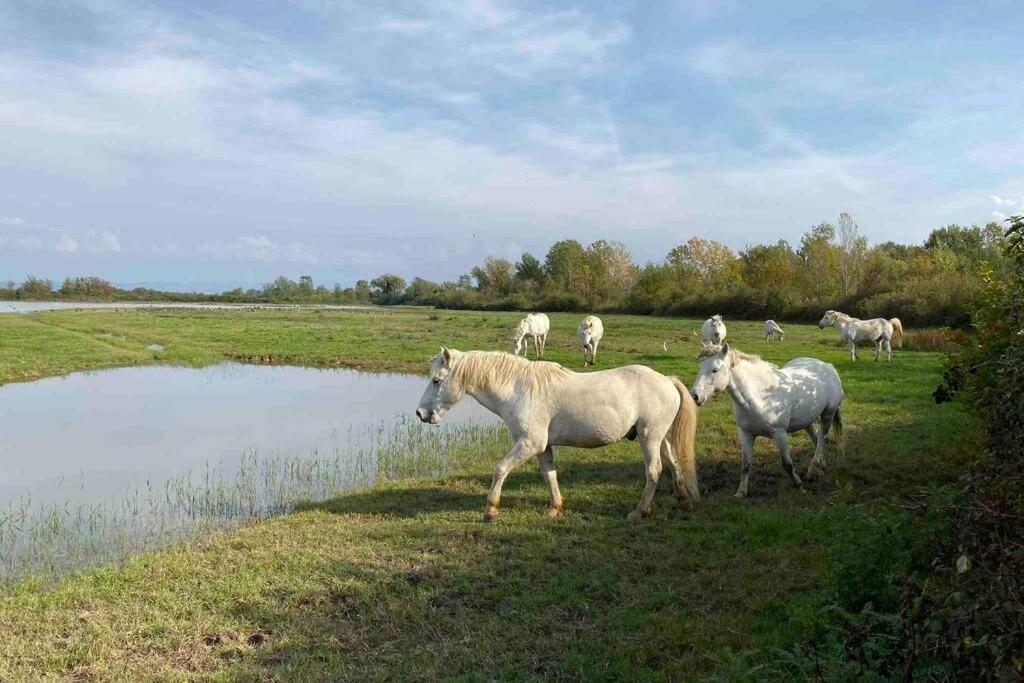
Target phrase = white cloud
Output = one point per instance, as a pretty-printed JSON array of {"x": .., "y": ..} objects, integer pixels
[
  {"x": 11, "y": 222},
  {"x": 300, "y": 253},
  {"x": 104, "y": 241},
  {"x": 1003, "y": 201},
  {"x": 66, "y": 244}
]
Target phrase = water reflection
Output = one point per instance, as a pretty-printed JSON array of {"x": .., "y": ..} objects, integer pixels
[{"x": 97, "y": 466}]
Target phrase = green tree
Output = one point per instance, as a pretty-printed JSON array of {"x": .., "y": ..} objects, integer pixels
[
  {"x": 387, "y": 289},
  {"x": 565, "y": 264}
]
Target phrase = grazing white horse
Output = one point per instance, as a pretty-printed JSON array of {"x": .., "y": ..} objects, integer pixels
[
  {"x": 590, "y": 332},
  {"x": 878, "y": 331},
  {"x": 771, "y": 401},
  {"x": 897, "y": 332},
  {"x": 545, "y": 405},
  {"x": 712, "y": 331},
  {"x": 535, "y": 325},
  {"x": 773, "y": 331}
]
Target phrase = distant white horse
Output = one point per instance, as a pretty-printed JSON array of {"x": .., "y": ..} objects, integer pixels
[
  {"x": 878, "y": 331},
  {"x": 773, "y": 331},
  {"x": 713, "y": 330},
  {"x": 771, "y": 401},
  {"x": 545, "y": 405},
  {"x": 535, "y": 325},
  {"x": 897, "y": 332},
  {"x": 591, "y": 331}
]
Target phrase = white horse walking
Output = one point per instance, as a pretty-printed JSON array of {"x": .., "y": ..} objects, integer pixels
[
  {"x": 878, "y": 331},
  {"x": 713, "y": 330},
  {"x": 545, "y": 405},
  {"x": 773, "y": 331},
  {"x": 771, "y": 401},
  {"x": 897, "y": 332},
  {"x": 535, "y": 325},
  {"x": 591, "y": 331}
]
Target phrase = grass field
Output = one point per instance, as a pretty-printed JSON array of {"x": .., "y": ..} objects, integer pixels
[{"x": 404, "y": 581}]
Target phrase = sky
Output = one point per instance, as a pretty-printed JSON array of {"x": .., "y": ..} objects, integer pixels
[{"x": 221, "y": 143}]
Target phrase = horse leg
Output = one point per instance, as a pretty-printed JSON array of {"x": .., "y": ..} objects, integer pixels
[
  {"x": 652, "y": 461},
  {"x": 543, "y": 343},
  {"x": 782, "y": 443},
  {"x": 813, "y": 433},
  {"x": 888, "y": 349},
  {"x": 547, "y": 469},
  {"x": 815, "y": 468},
  {"x": 878, "y": 349},
  {"x": 746, "y": 462},
  {"x": 522, "y": 451},
  {"x": 593, "y": 352}
]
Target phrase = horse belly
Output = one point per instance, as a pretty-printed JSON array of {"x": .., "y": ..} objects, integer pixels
[{"x": 588, "y": 428}]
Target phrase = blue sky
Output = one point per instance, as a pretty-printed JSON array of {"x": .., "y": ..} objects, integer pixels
[{"x": 226, "y": 142}]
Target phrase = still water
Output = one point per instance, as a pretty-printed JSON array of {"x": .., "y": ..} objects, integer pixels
[
  {"x": 96, "y": 467},
  {"x": 90, "y": 435}
]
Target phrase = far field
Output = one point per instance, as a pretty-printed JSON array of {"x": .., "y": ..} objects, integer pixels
[{"x": 404, "y": 580}]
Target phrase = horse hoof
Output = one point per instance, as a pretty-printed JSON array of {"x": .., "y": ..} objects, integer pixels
[
  {"x": 634, "y": 516},
  {"x": 741, "y": 494},
  {"x": 554, "y": 512},
  {"x": 814, "y": 473},
  {"x": 491, "y": 515},
  {"x": 686, "y": 504}
]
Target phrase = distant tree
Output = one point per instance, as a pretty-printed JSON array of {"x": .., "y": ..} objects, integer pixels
[
  {"x": 36, "y": 288},
  {"x": 495, "y": 277},
  {"x": 853, "y": 250},
  {"x": 564, "y": 265},
  {"x": 611, "y": 272},
  {"x": 305, "y": 285},
  {"x": 422, "y": 291},
  {"x": 387, "y": 289},
  {"x": 529, "y": 269},
  {"x": 362, "y": 291},
  {"x": 820, "y": 260},
  {"x": 706, "y": 262},
  {"x": 771, "y": 271}
]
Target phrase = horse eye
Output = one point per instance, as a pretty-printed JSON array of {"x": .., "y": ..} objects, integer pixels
[
  {"x": 715, "y": 370},
  {"x": 437, "y": 380}
]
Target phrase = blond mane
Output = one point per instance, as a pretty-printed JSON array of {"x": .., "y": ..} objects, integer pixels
[
  {"x": 735, "y": 355},
  {"x": 474, "y": 370}
]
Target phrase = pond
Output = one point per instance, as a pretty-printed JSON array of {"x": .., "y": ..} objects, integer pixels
[
  {"x": 35, "y": 306},
  {"x": 97, "y": 465}
]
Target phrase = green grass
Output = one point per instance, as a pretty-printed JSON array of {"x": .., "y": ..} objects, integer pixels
[{"x": 404, "y": 581}]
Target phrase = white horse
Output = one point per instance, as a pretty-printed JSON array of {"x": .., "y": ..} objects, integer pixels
[
  {"x": 897, "y": 332},
  {"x": 591, "y": 331},
  {"x": 773, "y": 331},
  {"x": 879, "y": 331},
  {"x": 771, "y": 401},
  {"x": 535, "y": 325},
  {"x": 712, "y": 331},
  {"x": 545, "y": 405}
]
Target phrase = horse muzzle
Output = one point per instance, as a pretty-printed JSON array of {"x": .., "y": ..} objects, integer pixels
[{"x": 428, "y": 416}]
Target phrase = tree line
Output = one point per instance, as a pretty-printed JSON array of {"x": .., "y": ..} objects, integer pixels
[{"x": 833, "y": 266}]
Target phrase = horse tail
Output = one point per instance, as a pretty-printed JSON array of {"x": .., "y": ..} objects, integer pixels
[
  {"x": 682, "y": 435},
  {"x": 897, "y": 332},
  {"x": 837, "y": 423}
]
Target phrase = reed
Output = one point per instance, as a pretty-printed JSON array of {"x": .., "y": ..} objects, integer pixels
[{"x": 48, "y": 540}]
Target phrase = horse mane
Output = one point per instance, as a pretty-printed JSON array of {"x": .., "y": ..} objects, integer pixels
[
  {"x": 474, "y": 370},
  {"x": 738, "y": 356}
]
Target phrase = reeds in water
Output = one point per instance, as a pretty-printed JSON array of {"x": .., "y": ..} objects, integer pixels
[{"x": 49, "y": 540}]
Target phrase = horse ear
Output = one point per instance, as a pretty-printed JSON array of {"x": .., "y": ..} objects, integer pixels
[
  {"x": 725, "y": 349},
  {"x": 447, "y": 354}
]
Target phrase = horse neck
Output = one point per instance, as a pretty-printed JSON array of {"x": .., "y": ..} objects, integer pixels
[
  {"x": 748, "y": 383},
  {"x": 495, "y": 396}
]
